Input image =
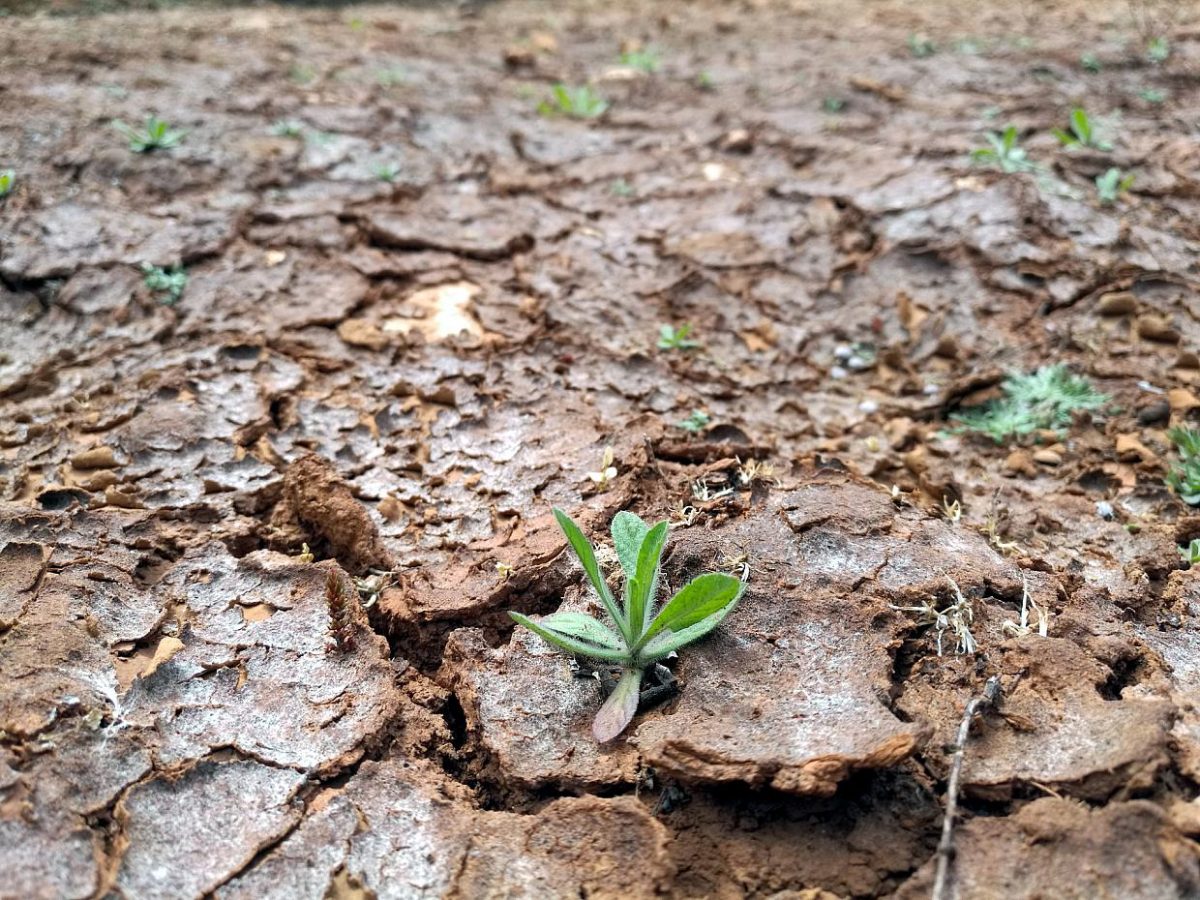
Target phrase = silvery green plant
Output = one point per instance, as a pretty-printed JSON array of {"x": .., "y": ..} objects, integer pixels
[{"x": 637, "y": 637}]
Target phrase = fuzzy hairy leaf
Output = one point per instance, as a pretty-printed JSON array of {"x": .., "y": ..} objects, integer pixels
[
  {"x": 667, "y": 642},
  {"x": 585, "y": 628},
  {"x": 644, "y": 586},
  {"x": 587, "y": 558},
  {"x": 569, "y": 643},
  {"x": 697, "y": 600},
  {"x": 628, "y": 532},
  {"x": 620, "y": 707},
  {"x": 1044, "y": 399}
]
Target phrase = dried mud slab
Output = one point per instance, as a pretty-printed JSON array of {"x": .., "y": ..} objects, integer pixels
[
  {"x": 401, "y": 831},
  {"x": 1061, "y": 848},
  {"x": 791, "y": 692}
]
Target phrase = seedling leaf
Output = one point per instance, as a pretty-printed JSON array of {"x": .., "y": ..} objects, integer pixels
[
  {"x": 568, "y": 643},
  {"x": 667, "y": 642},
  {"x": 628, "y": 532},
  {"x": 696, "y": 600},
  {"x": 620, "y": 707},
  {"x": 645, "y": 584},
  {"x": 584, "y": 627},
  {"x": 587, "y": 558}
]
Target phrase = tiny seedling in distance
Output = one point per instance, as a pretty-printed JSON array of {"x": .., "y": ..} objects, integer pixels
[
  {"x": 154, "y": 135},
  {"x": 1043, "y": 400},
  {"x": 636, "y": 637},
  {"x": 167, "y": 283},
  {"x": 8, "y": 181},
  {"x": 1083, "y": 133},
  {"x": 577, "y": 102},
  {"x": 672, "y": 338},
  {"x": 645, "y": 59},
  {"x": 287, "y": 128},
  {"x": 1112, "y": 184},
  {"x": 1003, "y": 152},
  {"x": 1090, "y": 62},
  {"x": 696, "y": 422},
  {"x": 921, "y": 46},
  {"x": 1158, "y": 51},
  {"x": 1184, "y": 478},
  {"x": 387, "y": 172}
]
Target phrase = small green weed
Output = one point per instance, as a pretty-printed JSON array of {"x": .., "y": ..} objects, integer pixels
[
  {"x": 387, "y": 172},
  {"x": 1090, "y": 63},
  {"x": 1044, "y": 399},
  {"x": 640, "y": 638},
  {"x": 8, "y": 181},
  {"x": 577, "y": 102},
  {"x": 696, "y": 421},
  {"x": 1191, "y": 553},
  {"x": 168, "y": 283},
  {"x": 1184, "y": 478},
  {"x": 392, "y": 77},
  {"x": 672, "y": 338},
  {"x": 833, "y": 104},
  {"x": 156, "y": 134},
  {"x": 1003, "y": 152},
  {"x": 921, "y": 46},
  {"x": 1083, "y": 133},
  {"x": 645, "y": 59},
  {"x": 705, "y": 81},
  {"x": 287, "y": 128},
  {"x": 1158, "y": 51},
  {"x": 1112, "y": 184},
  {"x": 621, "y": 188},
  {"x": 1154, "y": 95}
]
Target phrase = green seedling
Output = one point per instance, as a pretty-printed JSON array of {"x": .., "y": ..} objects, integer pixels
[
  {"x": 921, "y": 46},
  {"x": 577, "y": 102},
  {"x": 302, "y": 74},
  {"x": 1112, "y": 184},
  {"x": 1003, "y": 152},
  {"x": 705, "y": 81},
  {"x": 8, "y": 181},
  {"x": 1153, "y": 95},
  {"x": 696, "y": 421},
  {"x": 637, "y": 637},
  {"x": 833, "y": 104},
  {"x": 387, "y": 172},
  {"x": 1158, "y": 51},
  {"x": 1083, "y": 133},
  {"x": 645, "y": 60},
  {"x": 1090, "y": 62},
  {"x": 154, "y": 135},
  {"x": 168, "y": 283},
  {"x": 392, "y": 77},
  {"x": 1043, "y": 400},
  {"x": 621, "y": 188},
  {"x": 672, "y": 338},
  {"x": 287, "y": 128},
  {"x": 1191, "y": 553},
  {"x": 1184, "y": 478}
]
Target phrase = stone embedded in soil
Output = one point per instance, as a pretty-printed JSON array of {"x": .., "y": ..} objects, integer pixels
[
  {"x": 401, "y": 831},
  {"x": 1060, "y": 848},
  {"x": 789, "y": 692}
]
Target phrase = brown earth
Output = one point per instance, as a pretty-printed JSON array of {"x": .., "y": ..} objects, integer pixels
[{"x": 258, "y": 546}]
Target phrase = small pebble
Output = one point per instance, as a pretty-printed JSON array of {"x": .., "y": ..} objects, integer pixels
[{"x": 868, "y": 406}]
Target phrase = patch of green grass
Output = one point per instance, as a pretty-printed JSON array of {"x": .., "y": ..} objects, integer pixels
[
  {"x": 696, "y": 421},
  {"x": 621, "y": 188},
  {"x": 1154, "y": 95},
  {"x": 1158, "y": 50},
  {"x": 1042, "y": 400},
  {"x": 635, "y": 638},
  {"x": 1083, "y": 133},
  {"x": 387, "y": 172},
  {"x": 156, "y": 134},
  {"x": 167, "y": 283},
  {"x": 8, "y": 181},
  {"x": 833, "y": 104},
  {"x": 1003, "y": 152},
  {"x": 1090, "y": 62},
  {"x": 1112, "y": 184},
  {"x": 672, "y": 338},
  {"x": 1184, "y": 478},
  {"x": 921, "y": 46},
  {"x": 580, "y": 102},
  {"x": 645, "y": 59},
  {"x": 1191, "y": 553}
]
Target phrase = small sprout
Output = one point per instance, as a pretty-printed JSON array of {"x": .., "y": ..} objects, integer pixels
[
  {"x": 645, "y": 59},
  {"x": 672, "y": 338},
  {"x": 607, "y": 471},
  {"x": 1158, "y": 51},
  {"x": 1191, "y": 553},
  {"x": 921, "y": 46},
  {"x": 387, "y": 172},
  {"x": 1083, "y": 133},
  {"x": 302, "y": 74},
  {"x": 340, "y": 599},
  {"x": 957, "y": 617},
  {"x": 833, "y": 104},
  {"x": 1184, "y": 478},
  {"x": 1003, "y": 152},
  {"x": 1090, "y": 62},
  {"x": 392, "y": 77},
  {"x": 504, "y": 570},
  {"x": 696, "y": 422},
  {"x": 637, "y": 638},
  {"x": 952, "y": 509},
  {"x": 156, "y": 134},
  {"x": 1153, "y": 95},
  {"x": 8, "y": 181},
  {"x": 305, "y": 555},
  {"x": 1045, "y": 399},
  {"x": 168, "y": 282},
  {"x": 287, "y": 128},
  {"x": 1028, "y": 605},
  {"x": 621, "y": 188},
  {"x": 1111, "y": 185},
  {"x": 577, "y": 102},
  {"x": 704, "y": 81}
]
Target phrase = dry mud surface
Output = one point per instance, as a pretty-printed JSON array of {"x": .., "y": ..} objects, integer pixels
[{"x": 365, "y": 376}]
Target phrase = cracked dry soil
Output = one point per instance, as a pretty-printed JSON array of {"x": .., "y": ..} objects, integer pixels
[{"x": 405, "y": 375}]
